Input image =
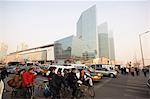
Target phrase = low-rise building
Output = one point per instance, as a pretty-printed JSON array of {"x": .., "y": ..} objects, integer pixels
[{"x": 42, "y": 53}]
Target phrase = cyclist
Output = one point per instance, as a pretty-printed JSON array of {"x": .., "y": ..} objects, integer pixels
[
  {"x": 72, "y": 81},
  {"x": 52, "y": 77},
  {"x": 82, "y": 74},
  {"x": 87, "y": 78},
  {"x": 28, "y": 82},
  {"x": 59, "y": 81},
  {"x": 66, "y": 76}
]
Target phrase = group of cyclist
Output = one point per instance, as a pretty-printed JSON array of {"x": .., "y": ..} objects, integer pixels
[
  {"x": 25, "y": 79},
  {"x": 69, "y": 79}
]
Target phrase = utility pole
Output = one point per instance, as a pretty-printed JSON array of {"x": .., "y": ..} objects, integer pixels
[{"x": 141, "y": 47}]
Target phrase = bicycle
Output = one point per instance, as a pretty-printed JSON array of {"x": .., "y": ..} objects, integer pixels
[
  {"x": 29, "y": 92},
  {"x": 85, "y": 91},
  {"x": 65, "y": 92},
  {"x": 41, "y": 88}
]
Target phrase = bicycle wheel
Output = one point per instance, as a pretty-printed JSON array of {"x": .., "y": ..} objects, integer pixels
[
  {"x": 40, "y": 90},
  {"x": 91, "y": 92},
  {"x": 13, "y": 93}
]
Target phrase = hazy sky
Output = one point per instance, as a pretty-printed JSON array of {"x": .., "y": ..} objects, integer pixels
[{"x": 42, "y": 22}]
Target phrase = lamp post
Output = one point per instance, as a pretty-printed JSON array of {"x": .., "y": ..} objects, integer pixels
[{"x": 141, "y": 47}]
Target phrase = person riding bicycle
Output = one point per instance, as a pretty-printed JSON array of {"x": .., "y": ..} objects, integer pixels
[
  {"x": 28, "y": 81},
  {"x": 72, "y": 81},
  {"x": 59, "y": 82},
  {"x": 52, "y": 77},
  {"x": 87, "y": 78},
  {"x": 82, "y": 73}
]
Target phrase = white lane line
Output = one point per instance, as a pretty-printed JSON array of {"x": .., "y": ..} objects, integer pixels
[
  {"x": 135, "y": 91},
  {"x": 101, "y": 85},
  {"x": 137, "y": 88}
]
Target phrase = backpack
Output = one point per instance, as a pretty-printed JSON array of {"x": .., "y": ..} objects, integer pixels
[{"x": 46, "y": 91}]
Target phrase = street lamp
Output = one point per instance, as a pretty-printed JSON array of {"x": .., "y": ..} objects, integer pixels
[{"x": 141, "y": 46}]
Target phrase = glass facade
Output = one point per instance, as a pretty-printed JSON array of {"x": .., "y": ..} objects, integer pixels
[
  {"x": 103, "y": 40},
  {"x": 111, "y": 46},
  {"x": 68, "y": 48},
  {"x": 87, "y": 31},
  {"x": 103, "y": 45}
]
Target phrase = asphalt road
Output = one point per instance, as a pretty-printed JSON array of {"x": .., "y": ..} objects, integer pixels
[{"x": 123, "y": 87}]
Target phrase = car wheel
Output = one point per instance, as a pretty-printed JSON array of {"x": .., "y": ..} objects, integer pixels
[{"x": 112, "y": 75}]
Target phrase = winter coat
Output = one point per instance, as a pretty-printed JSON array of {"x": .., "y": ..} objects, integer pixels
[
  {"x": 27, "y": 79},
  {"x": 72, "y": 79}
]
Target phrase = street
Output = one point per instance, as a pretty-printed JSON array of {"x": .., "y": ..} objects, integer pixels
[{"x": 122, "y": 87}]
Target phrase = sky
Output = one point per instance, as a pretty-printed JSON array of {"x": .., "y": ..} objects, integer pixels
[{"x": 38, "y": 23}]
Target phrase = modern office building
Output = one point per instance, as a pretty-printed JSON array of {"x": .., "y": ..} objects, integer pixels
[
  {"x": 111, "y": 46},
  {"x": 103, "y": 40},
  {"x": 37, "y": 54},
  {"x": 69, "y": 48},
  {"x": 87, "y": 31}
]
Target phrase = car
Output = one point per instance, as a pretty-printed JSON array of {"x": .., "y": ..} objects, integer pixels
[
  {"x": 106, "y": 72},
  {"x": 38, "y": 70},
  {"x": 59, "y": 67},
  {"x": 94, "y": 75},
  {"x": 11, "y": 69}
]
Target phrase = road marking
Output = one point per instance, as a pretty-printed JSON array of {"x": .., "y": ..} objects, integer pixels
[
  {"x": 137, "y": 88},
  {"x": 101, "y": 85},
  {"x": 135, "y": 91}
]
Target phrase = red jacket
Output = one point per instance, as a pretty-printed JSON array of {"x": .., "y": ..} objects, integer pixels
[{"x": 27, "y": 78}]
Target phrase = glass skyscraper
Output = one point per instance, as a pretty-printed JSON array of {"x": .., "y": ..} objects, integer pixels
[
  {"x": 111, "y": 46},
  {"x": 87, "y": 31},
  {"x": 103, "y": 40},
  {"x": 91, "y": 41}
]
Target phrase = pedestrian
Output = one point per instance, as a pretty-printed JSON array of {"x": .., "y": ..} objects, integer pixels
[
  {"x": 1, "y": 84},
  {"x": 137, "y": 71},
  {"x": 3, "y": 75},
  {"x": 127, "y": 71},
  {"x": 124, "y": 71},
  {"x": 132, "y": 71},
  {"x": 145, "y": 71}
]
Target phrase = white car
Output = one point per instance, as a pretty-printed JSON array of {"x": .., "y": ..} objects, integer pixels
[
  {"x": 11, "y": 69},
  {"x": 60, "y": 67}
]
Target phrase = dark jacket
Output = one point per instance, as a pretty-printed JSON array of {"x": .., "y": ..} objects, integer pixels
[
  {"x": 52, "y": 79},
  {"x": 72, "y": 79},
  {"x": 3, "y": 73}
]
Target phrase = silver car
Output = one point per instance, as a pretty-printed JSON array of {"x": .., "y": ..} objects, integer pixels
[{"x": 106, "y": 72}]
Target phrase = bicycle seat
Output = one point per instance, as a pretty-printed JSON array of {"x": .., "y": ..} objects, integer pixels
[{"x": 45, "y": 81}]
